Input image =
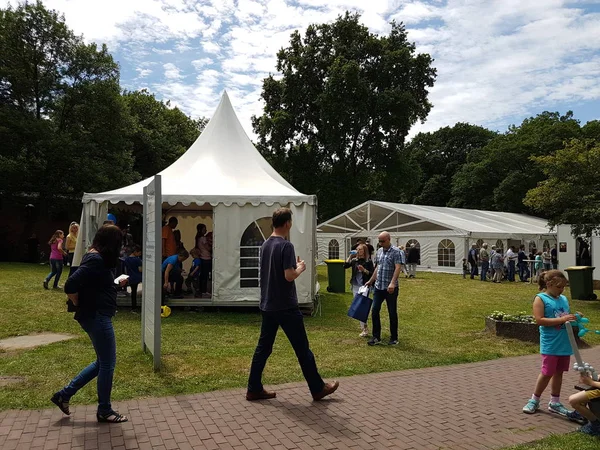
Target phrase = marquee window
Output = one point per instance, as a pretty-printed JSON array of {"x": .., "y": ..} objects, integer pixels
[
  {"x": 500, "y": 246},
  {"x": 253, "y": 237},
  {"x": 532, "y": 247},
  {"x": 412, "y": 241},
  {"x": 334, "y": 249},
  {"x": 446, "y": 253}
]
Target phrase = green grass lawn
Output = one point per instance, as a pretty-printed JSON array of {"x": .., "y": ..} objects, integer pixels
[
  {"x": 441, "y": 322},
  {"x": 571, "y": 441}
]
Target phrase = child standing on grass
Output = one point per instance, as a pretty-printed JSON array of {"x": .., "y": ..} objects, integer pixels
[
  {"x": 56, "y": 258},
  {"x": 465, "y": 268},
  {"x": 551, "y": 312},
  {"x": 133, "y": 266}
]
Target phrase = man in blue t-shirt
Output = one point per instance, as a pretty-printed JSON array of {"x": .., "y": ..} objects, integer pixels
[
  {"x": 171, "y": 270},
  {"x": 279, "y": 307}
]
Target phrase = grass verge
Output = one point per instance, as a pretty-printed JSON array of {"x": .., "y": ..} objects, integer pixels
[{"x": 441, "y": 323}]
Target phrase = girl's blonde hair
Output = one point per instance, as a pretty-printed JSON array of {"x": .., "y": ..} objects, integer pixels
[
  {"x": 55, "y": 236},
  {"x": 73, "y": 224},
  {"x": 548, "y": 276}
]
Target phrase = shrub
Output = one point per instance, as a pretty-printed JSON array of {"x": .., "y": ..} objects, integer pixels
[{"x": 521, "y": 317}]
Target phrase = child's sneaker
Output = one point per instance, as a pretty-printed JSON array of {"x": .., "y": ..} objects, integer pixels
[
  {"x": 592, "y": 429},
  {"x": 531, "y": 407},
  {"x": 559, "y": 409},
  {"x": 574, "y": 416}
]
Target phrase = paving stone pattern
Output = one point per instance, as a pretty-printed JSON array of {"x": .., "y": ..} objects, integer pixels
[{"x": 468, "y": 406}]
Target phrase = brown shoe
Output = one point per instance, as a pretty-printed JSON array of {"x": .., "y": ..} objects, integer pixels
[
  {"x": 328, "y": 389},
  {"x": 263, "y": 395}
]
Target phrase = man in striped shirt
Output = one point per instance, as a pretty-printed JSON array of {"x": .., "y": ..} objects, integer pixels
[{"x": 388, "y": 263}]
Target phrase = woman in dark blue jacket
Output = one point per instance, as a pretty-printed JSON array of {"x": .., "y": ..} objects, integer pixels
[{"x": 92, "y": 290}]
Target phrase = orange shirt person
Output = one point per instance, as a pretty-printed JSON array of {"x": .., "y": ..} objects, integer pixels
[{"x": 169, "y": 245}]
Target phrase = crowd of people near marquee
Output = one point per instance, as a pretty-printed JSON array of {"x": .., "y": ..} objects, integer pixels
[
  {"x": 174, "y": 253},
  {"x": 496, "y": 265}
]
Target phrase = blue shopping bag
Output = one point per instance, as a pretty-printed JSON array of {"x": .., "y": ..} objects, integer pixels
[{"x": 361, "y": 306}]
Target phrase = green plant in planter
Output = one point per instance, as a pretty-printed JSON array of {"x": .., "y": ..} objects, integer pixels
[{"x": 521, "y": 317}]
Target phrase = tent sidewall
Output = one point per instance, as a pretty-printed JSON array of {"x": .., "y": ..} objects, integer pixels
[
  {"x": 429, "y": 244},
  {"x": 230, "y": 222}
]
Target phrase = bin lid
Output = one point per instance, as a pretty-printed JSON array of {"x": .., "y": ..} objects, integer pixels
[
  {"x": 334, "y": 261},
  {"x": 573, "y": 268}
]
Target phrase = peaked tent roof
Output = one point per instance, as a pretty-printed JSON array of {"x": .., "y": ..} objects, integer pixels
[
  {"x": 221, "y": 166},
  {"x": 399, "y": 217}
]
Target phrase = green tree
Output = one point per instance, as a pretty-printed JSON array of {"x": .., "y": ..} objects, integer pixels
[
  {"x": 499, "y": 175},
  {"x": 35, "y": 47},
  {"x": 438, "y": 155},
  {"x": 159, "y": 134},
  {"x": 335, "y": 121},
  {"x": 570, "y": 194},
  {"x": 63, "y": 118}
]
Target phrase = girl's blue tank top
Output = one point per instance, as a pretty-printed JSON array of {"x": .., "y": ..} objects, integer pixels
[{"x": 554, "y": 340}]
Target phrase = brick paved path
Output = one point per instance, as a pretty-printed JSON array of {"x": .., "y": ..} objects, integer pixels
[{"x": 439, "y": 407}]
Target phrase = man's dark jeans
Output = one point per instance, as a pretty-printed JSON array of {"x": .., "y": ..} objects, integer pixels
[
  {"x": 511, "y": 271},
  {"x": 379, "y": 296},
  {"x": 485, "y": 266},
  {"x": 474, "y": 270},
  {"x": 292, "y": 323},
  {"x": 101, "y": 332},
  {"x": 523, "y": 271}
]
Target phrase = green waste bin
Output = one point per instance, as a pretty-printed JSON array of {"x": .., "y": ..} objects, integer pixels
[
  {"x": 336, "y": 275},
  {"x": 581, "y": 282}
]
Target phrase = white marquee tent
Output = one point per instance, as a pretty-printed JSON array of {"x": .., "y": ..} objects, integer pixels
[
  {"x": 223, "y": 181},
  {"x": 443, "y": 235}
]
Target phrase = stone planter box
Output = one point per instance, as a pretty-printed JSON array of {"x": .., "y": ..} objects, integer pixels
[{"x": 528, "y": 332}]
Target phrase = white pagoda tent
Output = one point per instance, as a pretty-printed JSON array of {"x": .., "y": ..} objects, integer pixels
[
  {"x": 224, "y": 182},
  {"x": 443, "y": 235}
]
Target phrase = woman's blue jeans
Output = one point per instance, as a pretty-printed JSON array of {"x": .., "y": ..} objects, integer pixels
[
  {"x": 101, "y": 332},
  {"x": 56, "y": 267}
]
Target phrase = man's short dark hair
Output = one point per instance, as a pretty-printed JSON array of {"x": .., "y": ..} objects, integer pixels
[
  {"x": 173, "y": 220},
  {"x": 281, "y": 216},
  {"x": 183, "y": 253}
]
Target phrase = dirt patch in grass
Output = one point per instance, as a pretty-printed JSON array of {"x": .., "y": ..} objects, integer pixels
[
  {"x": 5, "y": 381},
  {"x": 33, "y": 340}
]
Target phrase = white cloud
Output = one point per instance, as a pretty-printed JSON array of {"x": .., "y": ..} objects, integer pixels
[
  {"x": 143, "y": 73},
  {"x": 172, "y": 72},
  {"x": 496, "y": 59},
  {"x": 199, "y": 63},
  {"x": 160, "y": 51},
  {"x": 210, "y": 47}
]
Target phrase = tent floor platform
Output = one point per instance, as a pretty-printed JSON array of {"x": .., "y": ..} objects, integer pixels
[{"x": 190, "y": 301}]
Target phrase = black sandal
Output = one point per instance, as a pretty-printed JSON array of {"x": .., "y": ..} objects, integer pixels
[
  {"x": 62, "y": 405},
  {"x": 111, "y": 417}
]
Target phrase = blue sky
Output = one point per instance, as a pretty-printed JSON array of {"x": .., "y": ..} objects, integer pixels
[{"x": 498, "y": 61}]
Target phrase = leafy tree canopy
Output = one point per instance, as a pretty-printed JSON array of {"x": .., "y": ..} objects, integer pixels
[
  {"x": 570, "y": 194},
  {"x": 336, "y": 118},
  {"x": 65, "y": 125},
  {"x": 438, "y": 155},
  {"x": 498, "y": 175}
]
